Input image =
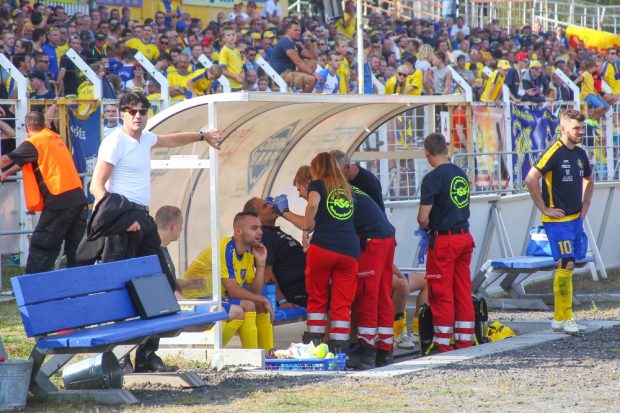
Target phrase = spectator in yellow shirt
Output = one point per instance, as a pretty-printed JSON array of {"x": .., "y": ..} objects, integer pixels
[
  {"x": 396, "y": 84},
  {"x": 611, "y": 71},
  {"x": 230, "y": 60},
  {"x": 414, "y": 83},
  {"x": 143, "y": 44},
  {"x": 201, "y": 80},
  {"x": 588, "y": 94},
  {"x": 178, "y": 80},
  {"x": 493, "y": 87},
  {"x": 346, "y": 24}
]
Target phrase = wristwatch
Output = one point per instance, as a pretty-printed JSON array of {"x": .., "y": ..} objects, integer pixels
[
  {"x": 201, "y": 135},
  {"x": 282, "y": 301}
]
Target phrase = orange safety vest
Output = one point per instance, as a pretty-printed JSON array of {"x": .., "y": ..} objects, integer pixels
[{"x": 56, "y": 166}]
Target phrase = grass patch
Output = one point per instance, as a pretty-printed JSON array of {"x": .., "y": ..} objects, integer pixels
[{"x": 17, "y": 345}]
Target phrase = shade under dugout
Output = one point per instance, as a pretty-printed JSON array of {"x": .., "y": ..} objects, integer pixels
[{"x": 267, "y": 136}]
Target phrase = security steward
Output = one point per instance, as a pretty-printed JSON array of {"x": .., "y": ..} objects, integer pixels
[
  {"x": 444, "y": 213},
  {"x": 51, "y": 185}
]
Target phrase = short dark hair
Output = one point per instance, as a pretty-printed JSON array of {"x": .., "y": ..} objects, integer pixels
[
  {"x": 573, "y": 114},
  {"x": 131, "y": 99},
  {"x": 435, "y": 144},
  {"x": 167, "y": 215},
  {"x": 292, "y": 23},
  {"x": 251, "y": 206},
  {"x": 35, "y": 120},
  {"x": 241, "y": 215}
]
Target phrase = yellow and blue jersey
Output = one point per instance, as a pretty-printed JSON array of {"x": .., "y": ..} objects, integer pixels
[
  {"x": 563, "y": 171},
  {"x": 232, "y": 266},
  {"x": 493, "y": 87},
  {"x": 201, "y": 82}
]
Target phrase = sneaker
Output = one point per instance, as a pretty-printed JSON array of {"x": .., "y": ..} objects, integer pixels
[
  {"x": 404, "y": 342},
  {"x": 431, "y": 350},
  {"x": 154, "y": 364},
  {"x": 557, "y": 325},
  {"x": 581, "y": 327},
  {"x": 363, "y": 358},
  {"x": 383, "y": 358},
  {"x": 570, "y": 327}
]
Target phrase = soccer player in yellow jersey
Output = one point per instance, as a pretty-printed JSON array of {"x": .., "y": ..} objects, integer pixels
[
  {"x": 493, "y": 87},
  {"x": 230, "y": 60},
  {"x": 242, "y": 268},
  {"x": 567, "y": 188}
]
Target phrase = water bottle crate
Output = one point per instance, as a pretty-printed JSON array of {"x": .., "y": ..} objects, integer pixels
[{"x": 337, "y": 363}]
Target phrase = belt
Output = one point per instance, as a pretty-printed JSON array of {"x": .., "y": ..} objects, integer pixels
[
  {"x": 454, "y": 231},
  {"x": 141, "y": 208}
]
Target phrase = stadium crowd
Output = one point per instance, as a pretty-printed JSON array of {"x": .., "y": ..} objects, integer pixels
[{"x": 406, "y": 57}]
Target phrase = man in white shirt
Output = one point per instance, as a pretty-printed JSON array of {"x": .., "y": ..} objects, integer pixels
[
  {"x": 460, "y": 26},
  {"x": 111, "y": 119},
  {"x": 124, "y": 167},
  {"x": 272, "y": 11},
  {"x": 329, "y": 81}
]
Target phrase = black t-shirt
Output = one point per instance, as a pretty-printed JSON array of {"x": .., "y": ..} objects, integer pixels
[
  {"x": 565, "y": 169},
  {"x": 370, "y": 220},
  {"x": 27, "y": 153},
  {"x": 47, "y": 95},
  {"x": 288, "y": 259},
  {"x": 71, "y": 80},
  {"x": 369, "y": 183},
  {"x": 278, "y": 58},
  {"x": 446, "y": 188},
  {"x": 334, "y": 228},
  {"x": 513, "y": 81}
]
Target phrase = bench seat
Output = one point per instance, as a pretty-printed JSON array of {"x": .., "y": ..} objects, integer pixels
[
  {"x": 530, "y": 262},
  {"x": 129, "y": 330},
  {"x": 281, "y": 314}
]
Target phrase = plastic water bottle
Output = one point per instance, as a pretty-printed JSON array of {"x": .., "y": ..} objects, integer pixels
[
  {"x": 406, "y": 274},
  {"x": 270, "y": 292}
]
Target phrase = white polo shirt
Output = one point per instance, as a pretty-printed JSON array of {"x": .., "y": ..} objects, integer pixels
[{"x": 131, "y": 176}]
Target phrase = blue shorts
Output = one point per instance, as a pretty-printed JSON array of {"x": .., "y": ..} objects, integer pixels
[
  {"x": 227, "y": 302},
  {"x": 567, "y": 239},
  {"x": 595, "y": 101}
]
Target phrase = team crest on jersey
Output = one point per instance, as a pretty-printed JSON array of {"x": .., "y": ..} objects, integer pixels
[
  {"x": 338, "y": 206},
  {"x": 459, "y": 192}
]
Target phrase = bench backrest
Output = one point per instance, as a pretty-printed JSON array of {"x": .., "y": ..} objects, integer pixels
[{"x": 81, "y": 296}]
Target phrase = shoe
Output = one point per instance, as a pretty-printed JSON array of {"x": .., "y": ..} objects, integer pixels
[
  {"x": 383, "y": 358},
  {"x": 338, "y": 346},
  {"x": 126, "y": 366},
  {"x": 557, "y": 325},
  {"x": 153, "y": 364},
  {"x": 404, "y": 342},
  {"x": 431, "y": 350},
  {"x": 316, "y": 338},
  {"x": 570, "y": 327},
  {"x": 580, "y": 327},
  {"x": 363, "y": 358}
]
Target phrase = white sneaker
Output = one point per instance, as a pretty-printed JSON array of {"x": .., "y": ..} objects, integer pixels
[
  {"x": 570, "y": 327},
  {"x": 557, "y": 325},
  {"x": 404, "y": 342},
  {"x": 581, "y": 327}
]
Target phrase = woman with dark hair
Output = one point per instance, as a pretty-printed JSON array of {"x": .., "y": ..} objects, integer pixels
[{"x": 332, "y": 253}]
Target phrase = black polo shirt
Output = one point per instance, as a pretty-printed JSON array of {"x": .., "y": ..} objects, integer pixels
[
  {"x": 369, "y": 183},
  {"x": 370, "y": 220}
]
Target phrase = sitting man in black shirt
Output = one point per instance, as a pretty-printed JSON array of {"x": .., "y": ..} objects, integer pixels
[{"x": 286, "y": 260}]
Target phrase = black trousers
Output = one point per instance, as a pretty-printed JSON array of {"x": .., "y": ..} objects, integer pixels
[
  {"x": 54, "y": 227},
  {"x": 137, "y": 244}
]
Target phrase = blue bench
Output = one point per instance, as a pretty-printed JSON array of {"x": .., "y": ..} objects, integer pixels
[
  {"x": 515, "y": 270},
  {"x": 94, "y": 304},
  {"x": 282, "y": 315}
]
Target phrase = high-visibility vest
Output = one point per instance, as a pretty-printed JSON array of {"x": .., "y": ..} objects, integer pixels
[{"x": 55, "y": 164}]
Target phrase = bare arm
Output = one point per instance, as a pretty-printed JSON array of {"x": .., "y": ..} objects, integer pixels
[
  {"x": 101, "y": 175},
  {"x": 588, "y": 190},
  {"x": 311, "y": 209},
  {"x": 294, "y": 56},
  {"x": 60, "y": 81},
  {"x": 424, "y": 212},
  {"x": 172, "y": 140},
  {"x": 427, "y": 82},
  {"x": 448, "y": 84},
  {"x": 7, "y": 131},
  {"x": 5, "y": 175},
  {"x": 297, "y": 220},
  {"x": 533, "y": 185}
]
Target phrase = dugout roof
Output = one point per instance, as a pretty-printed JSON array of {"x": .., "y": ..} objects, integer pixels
[{"x": 267, "y": 136}]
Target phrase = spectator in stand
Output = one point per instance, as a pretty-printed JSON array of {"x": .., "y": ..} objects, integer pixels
[
  {"x": 111, "y": 119},
  {"x": 329, "y": 79},
  {"x": 230, "y": 60},
  {"x": 201, "y": 80},
  {"x": 251, "y": 80},
  {"x": 414, "y": 84},
  {"x": 68, "y": 76},
  {"x": 493, "y": 87},
  {"x": 170, "y": 8},
  {"x": 438, "y": 79},
  {"x": 98, "y": 50},
  {"x": 513, "y": 78},
  {"x": 137, "y": 81},
  {"x": 395, "y": 85},
  {"x": 424, "y": 58},
  {"x": 535, "y": 86},
  {"x": 344, "y": 71},
  {"x": 287, "y": 56},
  {"x": 178, "y": 80},
  {"x": 598, "y": 107},
  {"x": 465, "y": 74},
  {"x": 347, "y": 23},
  {"x": 611, "y": 70},
  {"x": 272, "y": 11},
  {"x": 263, "y": 84},
  {"x": 238, "y": 11}
]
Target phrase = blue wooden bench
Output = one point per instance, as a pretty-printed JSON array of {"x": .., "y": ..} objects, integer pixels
[
  {"x": 92, "y": 302},
  {"x": 515, "y": 270},
  {"x": 282, "y": 315}
]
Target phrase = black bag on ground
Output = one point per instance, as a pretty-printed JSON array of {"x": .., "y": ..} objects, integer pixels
[{"x": 481, "y": 319}]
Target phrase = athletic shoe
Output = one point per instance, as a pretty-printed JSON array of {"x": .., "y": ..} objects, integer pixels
[
  {"x": 383, "y": 358},
  {"x": 570, "y": 327},
  {"x": 557, "y": 325},
  {"x": 581, "y": 327},
  {"x": 404, "y": 342}
]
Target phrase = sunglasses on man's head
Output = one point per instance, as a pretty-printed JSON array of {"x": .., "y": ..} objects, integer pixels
[{"x": 133, "y": 112}]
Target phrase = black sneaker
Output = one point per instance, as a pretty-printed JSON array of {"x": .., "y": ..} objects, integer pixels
[
  {"x": 383, "y": 358},
  {"x": 363, "y": 358},
  {"x": 154, "y": 364}
]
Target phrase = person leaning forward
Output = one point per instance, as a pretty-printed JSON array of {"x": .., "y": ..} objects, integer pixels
[
  {"x": 124, "y": 168},
  {"x": 51, "y": 185}
]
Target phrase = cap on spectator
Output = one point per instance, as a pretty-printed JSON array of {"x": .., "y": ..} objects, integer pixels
[
  {"x": 100, "y": 36},
  {"x": 244, "y": 31},
  {"x": 521, "y": 56},
  {"x": 408, "y": 58},
  {"x": 535, "y": 64},
  {"x": 213, "y": 26},
  {"x": 476, "y": 41},
  {"x": 269, "y": 34},
  {"x": 401, "y": 29},
  {"x": 560, "y": 59},
  {"x": 256, "y": 36},
  {"x": 207, "y": 41},
  {"x": 36, "y": 73},
  {"x": 85, "y": 35},
  {"x": 180, "y": 26},
  {"x": 503, "y": 64}
]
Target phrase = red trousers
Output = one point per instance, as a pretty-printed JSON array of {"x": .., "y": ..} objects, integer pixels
[
  {"x": 374, "y": 310},
  {"x": 322, "y": 266},
  {"x": 449, "y": 290}
]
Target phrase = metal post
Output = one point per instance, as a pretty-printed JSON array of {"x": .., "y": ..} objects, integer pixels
[
  {"x": 469, "y": 96},
  {"x": 360, "y": 48},
  {"x": 88, "y": 72},
  {"x": 272, "y": 74},
  {"x": 159, "y": 77},
  {"x": 222, "y": 79},
  {"x": 508, "y": 137},
  {"x": 215, "y": 229},
  {"x": 572, "y": 86}
]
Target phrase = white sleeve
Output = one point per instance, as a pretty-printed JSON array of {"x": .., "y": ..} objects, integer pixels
[
  {"x": 151, "y": 138},
  {"x": 111, "y": 149}
]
